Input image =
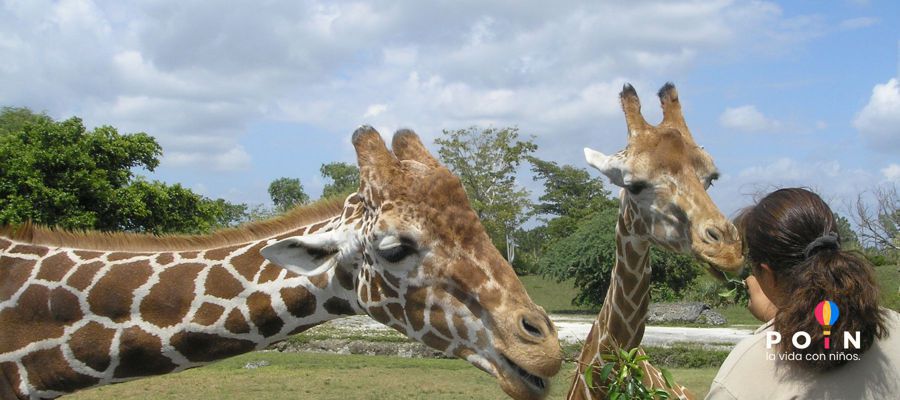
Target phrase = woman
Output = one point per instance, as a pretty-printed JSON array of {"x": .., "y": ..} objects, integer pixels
[{"x": 797, "y": 262}]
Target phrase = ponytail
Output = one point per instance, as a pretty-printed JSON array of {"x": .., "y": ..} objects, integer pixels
[
  {"x": 793, "y": 231},
  {"x": 843, "y": 278}
]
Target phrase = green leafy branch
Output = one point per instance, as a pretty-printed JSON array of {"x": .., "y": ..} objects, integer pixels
[{"x": 622, "y": 374}]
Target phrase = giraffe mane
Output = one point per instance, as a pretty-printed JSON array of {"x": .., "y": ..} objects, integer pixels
[{"x": 126, "y": 241}]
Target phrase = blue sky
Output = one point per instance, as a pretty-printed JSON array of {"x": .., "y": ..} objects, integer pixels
[{"x": 780, "y": 93}]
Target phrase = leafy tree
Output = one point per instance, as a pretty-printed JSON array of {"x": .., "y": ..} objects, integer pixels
[
  {"x": 159, "y": 208},
  {"x": 344, "y": 179},
  {"x": 59, "y": 173},
  {"x": 588, "y": 255},
  {"x": 530, "y": 245},
  {"x": 486, "y": 161},
  {"x": 287, "y": 193},
  {"x": 228, "y": 214},
  {"x": 14, "y": 119},
  {"x": 570, "y": 196},
  {"x": 845, "y": 231}
]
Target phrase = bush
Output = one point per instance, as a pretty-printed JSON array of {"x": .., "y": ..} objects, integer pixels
[{"x": 588, "y": 255}]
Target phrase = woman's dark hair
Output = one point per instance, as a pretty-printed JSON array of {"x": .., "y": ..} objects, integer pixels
[{"x": 794, "y": 232}]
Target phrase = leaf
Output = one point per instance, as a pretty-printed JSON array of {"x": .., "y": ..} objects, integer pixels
[
  {"x": 614, "y": 395},
  {"x": 631, "y": 354},
  {"x": 609, "y": 357},
  {"x": 604, "y": 373},
  {"x": 667, "y": 376},
  {"x": 589, "y": 376},
  {"x": 729, "y": 294},
  {"x": 641, "y": 358}
]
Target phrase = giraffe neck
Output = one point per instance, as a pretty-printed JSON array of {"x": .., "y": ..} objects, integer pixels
[
  {"x": 78, "y": 319},
  {"x": 621, "y": 320},
  {"x": 624, "y": 311}
]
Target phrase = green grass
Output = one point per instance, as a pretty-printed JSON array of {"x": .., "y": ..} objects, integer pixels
[
  {"x": 686, "y": 355},
  {"x": 340, "y": 377},
  {"x": 324, "y": 332},
  {"x": 888, "y": 277},
  {"x": 738, "y": 315},
  {"x": 697, "y": 380},
  {"x": 555, "y": 297}
]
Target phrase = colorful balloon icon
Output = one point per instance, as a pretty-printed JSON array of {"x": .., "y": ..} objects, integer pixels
[{"x": 827, "y": 314}]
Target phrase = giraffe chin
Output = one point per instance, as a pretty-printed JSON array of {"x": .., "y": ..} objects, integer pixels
[
  {"x": 520, "y": 384},
  {"x": 517, "y": 382}
]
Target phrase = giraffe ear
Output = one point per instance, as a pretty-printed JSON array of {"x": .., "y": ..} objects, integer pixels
[
  {"x": 612, "y": 166},
  {"x": 306, "y": 255}
]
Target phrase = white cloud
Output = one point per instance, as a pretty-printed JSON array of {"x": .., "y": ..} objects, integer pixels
[
  {"x": 892, "y": 173},
  {"x": 375, "y": 109},
  {"x": 857, "y": 23},
  {"x": 879, "y": 121},
  {"x": 748, "y": 119},
  {"x": 196, "y": 76},
  {"x": 836, "y": 183},
  {"x": 232, "y": 159}
]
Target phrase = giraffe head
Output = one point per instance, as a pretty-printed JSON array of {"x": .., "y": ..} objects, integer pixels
[
  {"x": 664, "y": 175},
  {"x": 425, "y": 266}
]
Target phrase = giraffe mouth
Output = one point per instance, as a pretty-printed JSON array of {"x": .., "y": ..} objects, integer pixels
[{"x": 537, "y": 383}]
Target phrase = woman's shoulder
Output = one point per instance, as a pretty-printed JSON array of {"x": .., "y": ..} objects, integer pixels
[
  {"x": 752, "y": 361},
  {"x": 892, "y": 339},
  {"x": 746, "y": 365}
]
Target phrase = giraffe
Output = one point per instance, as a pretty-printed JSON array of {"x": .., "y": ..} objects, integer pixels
[
  {"x": 80, "y": 310},
  {"x": 664, "y": 176}
]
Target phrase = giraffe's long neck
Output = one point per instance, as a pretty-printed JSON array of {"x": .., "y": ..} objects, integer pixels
[
  {"x": 621, "y": 321},
  {"x": 74, "y": 319}
]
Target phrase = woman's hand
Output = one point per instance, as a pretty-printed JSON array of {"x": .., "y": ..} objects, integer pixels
[{"x": 760, "y": 305}]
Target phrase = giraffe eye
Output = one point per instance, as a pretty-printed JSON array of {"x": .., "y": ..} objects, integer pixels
[
  {"x": 394, "y": 250},
  {"x": 636, "y": 188}
]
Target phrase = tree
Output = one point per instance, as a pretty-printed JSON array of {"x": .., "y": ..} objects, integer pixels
[
  {"x": 486, "y": 161},
  {"x": 344, "y": 179},
  {"x": 61, "y": 174},
  {"x": 287, "y": 193},
  {"x": 570, "y": 196},
  {"x": 879, "y": 225},
  {"x": 589, "y": 253},
  {"x": 14, "y": 119},
  {"x": 849, "y": 239},
  {"x": 159, "y": 208}
]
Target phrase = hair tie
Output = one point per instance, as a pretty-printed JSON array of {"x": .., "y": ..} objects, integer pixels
[{"x": 826, "y": 241}]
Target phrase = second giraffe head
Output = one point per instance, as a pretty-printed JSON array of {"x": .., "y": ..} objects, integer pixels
[{"x": 664, "y": 175}]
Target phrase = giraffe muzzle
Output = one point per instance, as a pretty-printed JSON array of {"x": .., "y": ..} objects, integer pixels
[
  {"x": 720, "y": 245},
  {"x": 528, "y": 354}
]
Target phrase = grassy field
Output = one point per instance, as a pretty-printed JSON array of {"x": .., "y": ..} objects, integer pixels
[
  {"x": 339, "y": 377},
  {"x": 889, "y": 279},
  {"x": 555, "y": 297}
]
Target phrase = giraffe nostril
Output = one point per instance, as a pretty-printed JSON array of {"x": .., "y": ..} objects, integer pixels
[
  {"x": 714, "y": 234},
  {"x": 531, "y": 329}
]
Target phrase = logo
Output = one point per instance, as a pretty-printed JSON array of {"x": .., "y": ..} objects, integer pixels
[{"x": 826, "y": 313}]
